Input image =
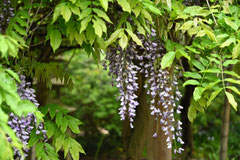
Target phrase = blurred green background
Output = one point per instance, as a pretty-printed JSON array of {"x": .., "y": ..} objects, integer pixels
[{"x": 93, "y": 101}]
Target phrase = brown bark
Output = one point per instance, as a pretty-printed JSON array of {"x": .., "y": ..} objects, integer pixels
[
  {"x": 187, "y": 126},
  {"x": 141, "y": 136},
  {"x": 225, "y": 130}
]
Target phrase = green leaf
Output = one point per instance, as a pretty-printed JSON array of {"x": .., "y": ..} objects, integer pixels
[
  {"x": 210, "y": 85},
  {"x": 57, "y": 11},
  {"x": 80, "y": 38},
  {"x": 25, "y": 107},
  {"x": 152, "y": 8},
  {"x": 102, "y": 14},
  {"x": 125, "y": 5},
  {"x": 191, "y": 112},
  {"x": 20, "y": 30},
  {"x": 191, "y": 82},
  {"x": 192, "y": 75},
  {"x": 147, "y": 15},
  {"x": 114, "y": 36},
  {"x": 59, "y": 119},
  {"x": 13, "y": 74},
  {"x": 101, "y": 23},
  {"x": 231, "y": 100},
  {"x": 66, "y": 146},
  {"x": 66, "y": 13},
  {"x": 229, "y": 41},
  {"x": 104, "y": 4},
  {"x": 34, "y": 138},
  {"x": 75, "y": 10},
  {"x": 97, "y": 27},
  {"x": 84, "y": 23},
  {"x": 236, "y": 51},
  {"x": 85, "y": 13},
  {"x": 211, "y": 70},
  {"x": 73, "y": 126},
  {"x": 232, "y": 80},
  {"x": 213, "y": 95},
  {"x": 59, "y": 141},
  {"x": 134, "y": 37},
  {"x": 228, "y": 62},
  {"x": 123, "y": 41},
  {"x": 3, "y": 47},
  {"x": 187, "y": 25},
  {"x": 197, "y": 64},
  {"x": 231, "y": 23},
  {"x": 21, "y": 22},
  {"x": 167, "y": 59},
  {"x": 64, "y": 124},
  {"x": 233, "y": 88},
  {"x": 55, "y": 39},
  {"x": 197, "y": 94},
  {"x": 50, "y": 127}
]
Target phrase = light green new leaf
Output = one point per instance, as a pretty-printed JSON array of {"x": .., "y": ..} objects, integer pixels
[
  {"x": 231, "y": 80},
  {"x": 228, "y": 62},
  {"x": 101, "y": 23},
  {"x": 213, "y": 95},
  {"x": 57, "y": 11},
  {"x": 123, "y": 41},
  {"x": 66, "y": 146},
  {"x": 231, "y": 100},
  {"x": 84, "y": 23},
  {"x": 86, "y": 12},
  {"x": 187, "y": 25},
  {"x": 97, "y": 27},
  {"x": 66, "y": 13},
  {"x": 3, "y": 47},
  {"x": 125, "y": 5},
  {"x": 25, "y": 107},
  {"x": 229, "y": 41},
  {"x": 102, "y": 14},
  {"x": 167, "y": 59},
  {"x": 114, "y": 36},
  {"x": 13, "y": 74},
  {"x": 59, "y": 141},
  {"x": 192, "y": 75},
  {"x": 75, "y": 10},
  {"x": 233, "y": 88},
  {"x": 231, "y": 23},
  {"x": 236, "y": 51},
  {"x": 191, "y": 82},
  {"x": 55, "y": 39},
  {"x": 147, "y": 15},
  {"x": 197, "y": 94},
  {"x": 80, "y": 38},
  {"x": 152, "y": 8},
  {"x": 134, "y": 37},
  {"x": 104, "y": 4}
]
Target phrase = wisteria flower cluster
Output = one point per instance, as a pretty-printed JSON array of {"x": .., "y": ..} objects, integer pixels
[
  {"x": 23, "y": 126},
  {"x": 161, "y": 88},
  {"x": 6, "y": 13}
]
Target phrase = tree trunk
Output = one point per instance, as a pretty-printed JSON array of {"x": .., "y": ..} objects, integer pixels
[
  {"x": 141, "y": 136},
  {"x": 225, "y": 129},
  {"x": 187, "y": 126},
  {"x": 157, "y": 147}
]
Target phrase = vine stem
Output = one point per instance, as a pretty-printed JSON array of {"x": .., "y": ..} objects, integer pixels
[
  {"x": 222, "y": 69},
  {"x": 212, "y": 13}
]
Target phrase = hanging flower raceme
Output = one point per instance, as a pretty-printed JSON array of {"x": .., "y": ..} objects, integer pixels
[
  {"x": 23, "y": 126},
  {"x": 161, "y": 88}
]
